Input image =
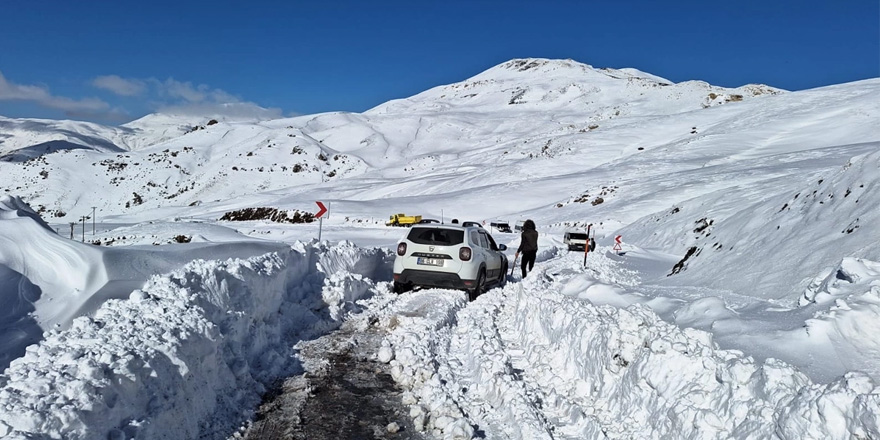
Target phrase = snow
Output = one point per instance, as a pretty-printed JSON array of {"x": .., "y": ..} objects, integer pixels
[
  {"x": 180, "y": 357},
  {"x": 27, "y": 138},
  {"x": 621, "y": 372},
  {"x": 178, "y": 322}
]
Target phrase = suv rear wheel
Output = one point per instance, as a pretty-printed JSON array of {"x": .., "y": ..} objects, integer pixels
[
  {"x": 401, "y": 288},
  {"x": 479, "y": 286}
]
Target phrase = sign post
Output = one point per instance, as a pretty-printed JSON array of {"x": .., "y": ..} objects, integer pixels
[
  {"x": 321, "y": 210},
  {"x": 587, "y": 244},
  {"x": 617, "y": 248}
]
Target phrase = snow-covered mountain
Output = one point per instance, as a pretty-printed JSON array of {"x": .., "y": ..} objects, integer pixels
[
  {"x": 748, "y": 214},
  {"x": 23, "y": 139},
  {"x": 514, "y": 113},
  {"x": 565, "y": 86}
]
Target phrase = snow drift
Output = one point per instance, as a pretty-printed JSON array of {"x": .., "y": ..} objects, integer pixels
[
  {"x": 532, "y": 362},
  {"x": 181, "y": 357}
]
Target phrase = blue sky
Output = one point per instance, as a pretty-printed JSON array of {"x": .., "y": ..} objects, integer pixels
[{"x": 112, "y": 61}]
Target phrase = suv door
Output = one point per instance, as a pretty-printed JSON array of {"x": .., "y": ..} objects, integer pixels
[{"x": 492, "y": 255}]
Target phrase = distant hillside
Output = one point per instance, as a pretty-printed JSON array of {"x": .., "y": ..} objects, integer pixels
[
  {"x": 520, "y": 109},
  {"x": 23, "y": 139}
]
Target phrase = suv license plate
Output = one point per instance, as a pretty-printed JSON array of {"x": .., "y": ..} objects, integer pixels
[{"x": 429, "y": 261}]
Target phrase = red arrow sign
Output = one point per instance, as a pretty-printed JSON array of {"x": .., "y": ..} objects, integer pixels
[
  {"x": 617, "y": 239},
  {"x": 321, "y": 210}
]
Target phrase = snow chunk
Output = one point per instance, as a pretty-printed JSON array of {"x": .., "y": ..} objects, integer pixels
[{"x": 385, "y": 354}]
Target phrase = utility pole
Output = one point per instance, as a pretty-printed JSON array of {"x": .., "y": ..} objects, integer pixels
[
  {"x": 83, "y": 220},
  {"x": 587, "y": 244},
  {"x": 71, "y": 229},
  {"x": 93, "y": 220}
]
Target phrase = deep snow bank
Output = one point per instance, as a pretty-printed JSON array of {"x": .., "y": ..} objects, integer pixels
[
  {"x": 44, "y": 278},
  {"x": 669, "y": 382},
  {"x": 57, "y": 265},
  {"x": 848, "y": 315},
  {"x": 187, "y": 354},
  {"x": 12, "y": 207},
  {"x": 533, "y": 362},
  {"x": 47, "y": 280}
]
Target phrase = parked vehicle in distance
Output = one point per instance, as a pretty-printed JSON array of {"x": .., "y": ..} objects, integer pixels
[
  {"x": 518, "y": 225},
  {"x": 501, "y": 226},
  {"x": 463, "y": 257},
  {"x": 403, "y": 220},
  {"x": 428, "y": 220},
  {"x": 576, "y": 241}
]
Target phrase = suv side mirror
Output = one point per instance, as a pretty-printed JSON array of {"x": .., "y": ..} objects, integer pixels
[{"x": 502, "y": 247}]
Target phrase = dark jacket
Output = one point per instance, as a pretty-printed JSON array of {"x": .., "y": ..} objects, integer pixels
[{"x": 529, "y": 238}]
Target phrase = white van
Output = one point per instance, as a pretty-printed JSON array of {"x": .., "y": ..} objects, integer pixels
[{"x": 576, "y": 241}]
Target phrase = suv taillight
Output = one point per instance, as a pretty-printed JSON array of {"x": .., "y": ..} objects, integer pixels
[
  {"x": 464, "y": 254},
  {"x": 401, "y": 249}
]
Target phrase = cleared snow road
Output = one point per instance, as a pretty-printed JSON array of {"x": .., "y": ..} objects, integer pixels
[{"x": 345, "y": 392}]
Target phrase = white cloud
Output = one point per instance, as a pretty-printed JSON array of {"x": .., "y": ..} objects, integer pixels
[
  {"x": 40, "y": 95},
  {"x": 167, "y": 96},
  {"x": 225, "y": 111},
  {"x": 180, "y": 92},
  {"x": 186, "y": 91},
  {"x": 185, "y": 98},
  {"x": 120, "y": 86}
]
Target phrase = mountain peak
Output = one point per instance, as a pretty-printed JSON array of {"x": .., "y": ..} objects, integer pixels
[
  {"x": 548, "y": 85},
  {"x": 525, "y": 64}
]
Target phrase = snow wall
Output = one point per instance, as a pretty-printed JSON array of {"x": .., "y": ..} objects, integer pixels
[
  {"x": 660, "y": 379},
  {"x": 603, "y": 372},
  {"x": 189, "y": 353}
]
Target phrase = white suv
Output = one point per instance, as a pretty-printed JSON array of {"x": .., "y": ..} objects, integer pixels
[{"x": 454, "y": 256}]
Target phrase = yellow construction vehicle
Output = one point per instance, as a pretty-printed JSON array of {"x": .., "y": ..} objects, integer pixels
[{"x": 403, "y": 220}]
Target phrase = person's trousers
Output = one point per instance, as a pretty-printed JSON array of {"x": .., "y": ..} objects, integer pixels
[{"x": 528, "y": 261}]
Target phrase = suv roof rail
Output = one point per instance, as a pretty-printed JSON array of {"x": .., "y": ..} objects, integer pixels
[{"x": 477, "y": 224}]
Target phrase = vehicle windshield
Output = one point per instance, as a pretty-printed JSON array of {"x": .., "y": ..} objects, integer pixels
[
  {"x": 577, "y": 236},
  {"x": 436, "y": 236}
]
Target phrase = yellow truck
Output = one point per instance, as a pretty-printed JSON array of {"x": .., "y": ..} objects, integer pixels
[{"x": 403, "y": 220}]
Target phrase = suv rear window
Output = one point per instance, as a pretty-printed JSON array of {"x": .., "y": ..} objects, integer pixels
[{"x": 436, "y": 236}]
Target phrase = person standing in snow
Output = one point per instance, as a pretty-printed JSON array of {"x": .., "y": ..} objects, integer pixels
[{"x": 528, "y": 247}]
